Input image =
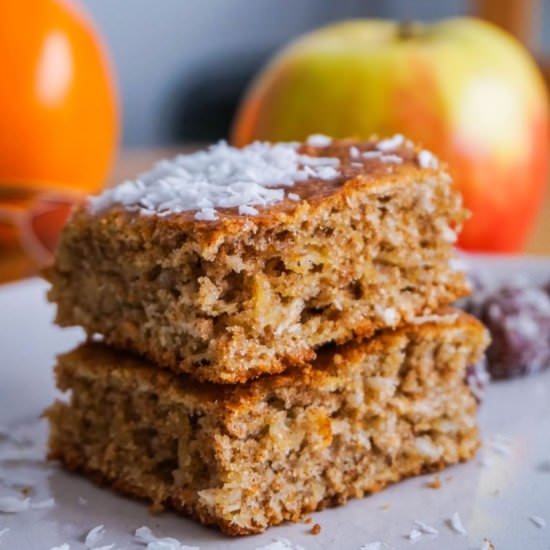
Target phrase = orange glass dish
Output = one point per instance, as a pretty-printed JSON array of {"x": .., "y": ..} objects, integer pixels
[{"x": 59, "y": 117}]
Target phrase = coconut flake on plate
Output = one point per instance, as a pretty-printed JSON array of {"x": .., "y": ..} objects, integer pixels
[
  {"x": 538, "y": 521},
  {"x": 501, "y": 445},
  {"x": 145, "y": 536},
  {"x": 13, "y": 505},
  {"x": 41, "y": 504},
  {"x": 94, "y": 536},
  {"x": 425, "y": 528},
  {"x": 280, "y": 544},
  {"x": 376, "y": 545},
  {"x": 455, "y": 523},
  {"x": 64, "y": 546},
  {"x": 415, "y": 534}
]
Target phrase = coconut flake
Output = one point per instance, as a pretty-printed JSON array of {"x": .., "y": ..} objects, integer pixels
[
  {"x": 426, "y": 159},
  {"x": 425, "y": 528},
  {"x": 82, "y": 501},
  {"x": 248, "y": 210},
  {"x": 13, "y": 505},
  {"x": 318, "y": 140},
  {"x": 390, "y": 144},
  {"x": 4, "y": 531},
  {"x": 538, "y": 521},
  {"x": 376, "y": 545},
  {"x": 389, "y": 315},
  {"x": 501, "y": 445},
  {"x": 280, "y": 544},
  {"x": 94, "y": 536},
  {"x": 455, "y": 523},
  {"x": 41, "y": 504},
  {"x": 371, "y": 155},
  {"x": 219, "y": 177},
  {"x": 485, "y": 462},
  {"x": 434, "y": 318},
  {"x": 415, "y": 534},
  {"x": 145, "y": 536},
  {"x": 354, "y": 152},
  {"x": 293, "y": 196},
  {"x": 391, "y": 158},
  {"x": 447, "y": 234},
  {"x": 206, "y": 214},
  {"x": 64, "y": 546}
]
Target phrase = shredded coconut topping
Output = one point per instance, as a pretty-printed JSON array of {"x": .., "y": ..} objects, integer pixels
[
  {"x": 4, "y": 531},
  {"x": 319, "y": 140},
  {"x": 391, "y": 158},
  {"x": 426, "y": 159},
  {"x": 390, "y": 144},
  {"x": 219, "y": 177}
]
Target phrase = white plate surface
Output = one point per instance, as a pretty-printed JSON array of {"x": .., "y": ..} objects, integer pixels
[{"x": 494, "y": 500}]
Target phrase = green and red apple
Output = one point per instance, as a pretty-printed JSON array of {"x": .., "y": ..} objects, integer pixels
[{"x": 461, "y": 87}]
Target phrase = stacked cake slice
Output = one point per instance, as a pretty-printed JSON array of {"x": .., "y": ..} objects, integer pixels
[{"x": 274, "y": 330}]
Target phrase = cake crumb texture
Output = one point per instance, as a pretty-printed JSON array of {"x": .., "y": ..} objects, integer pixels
[
  {"x": 227, "y": 300},
  {"x": 245, "y": 457}
]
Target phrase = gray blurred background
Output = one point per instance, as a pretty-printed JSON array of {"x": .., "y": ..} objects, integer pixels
[{"x": 182, "y": 64}]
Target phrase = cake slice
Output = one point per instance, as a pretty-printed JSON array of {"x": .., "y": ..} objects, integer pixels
[
  {"x": 230, "y": 263},
  {"x": 248, "y": 456}
]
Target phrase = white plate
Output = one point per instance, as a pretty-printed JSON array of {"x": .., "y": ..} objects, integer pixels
[{"x": 494, "y": 501}]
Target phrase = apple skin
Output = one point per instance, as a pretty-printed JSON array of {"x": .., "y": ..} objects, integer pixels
[{"x": 461, "y": 87}]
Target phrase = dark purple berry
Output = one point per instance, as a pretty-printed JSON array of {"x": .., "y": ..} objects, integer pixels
[{"x": 518, "y": 318}]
